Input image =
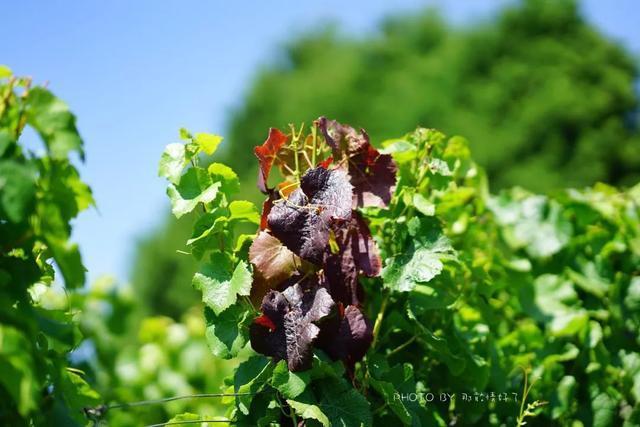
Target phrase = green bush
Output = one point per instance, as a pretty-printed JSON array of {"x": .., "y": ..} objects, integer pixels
[{"x": 475, "y": 288}]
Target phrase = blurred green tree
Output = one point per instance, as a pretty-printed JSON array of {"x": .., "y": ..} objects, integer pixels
[{"x": 545, "y": 99}]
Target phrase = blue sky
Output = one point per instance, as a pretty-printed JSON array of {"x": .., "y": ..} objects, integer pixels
[{"x": 134, "y": 72}]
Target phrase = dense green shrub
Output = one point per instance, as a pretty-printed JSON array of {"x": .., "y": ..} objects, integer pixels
[
  {"x": 473, "y": 288},
  {"x": 40, "y": 193}
]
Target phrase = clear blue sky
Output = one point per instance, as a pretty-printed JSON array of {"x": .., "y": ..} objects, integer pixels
[{"x": 134, "y": 72}]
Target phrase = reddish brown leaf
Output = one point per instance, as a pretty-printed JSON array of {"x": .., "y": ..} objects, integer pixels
[{"x": 266, "y": 154}]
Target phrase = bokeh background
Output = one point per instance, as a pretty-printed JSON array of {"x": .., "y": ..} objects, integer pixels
[{"x": 546, "y": 92}]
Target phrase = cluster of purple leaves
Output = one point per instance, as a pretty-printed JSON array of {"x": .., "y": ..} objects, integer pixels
[{"x": 313, "y": 246}]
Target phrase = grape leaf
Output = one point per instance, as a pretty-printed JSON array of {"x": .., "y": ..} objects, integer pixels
[
  {"x": 373, "y": 176},
  {"x": 207, "y": 142},
  {"x": 271, "y": 258},
  {"x": 172, "y": 162},
  {"x": 54, "y": 122},
  {"x": 344, "y": 405},
  {"x": 287, "y": 328},
  {"x": 309, "y": 412},
  {"x": 343, "y": 139},
  {"x": 229, "y": 181},
  {"x": 17, "y": 190},
  {"x": 219, "y": 287},
  {"x": 290, "y": 384},
  {"x": 195, "y": 187},
  {"x": 243, "y": 210},
  {"x": 266, "y": 154},
  {"x": 346, "y": 337},
  {"x": 357, "y": 253},
  {"x": 249, "y": 378},
  {"x": 419, "y": 264},
  {"x": 226, "y": 333},
  {"x": 302, "y": 221}
]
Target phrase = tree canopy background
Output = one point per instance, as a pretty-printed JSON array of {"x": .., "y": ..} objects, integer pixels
[{"x": 545, "y": 100}]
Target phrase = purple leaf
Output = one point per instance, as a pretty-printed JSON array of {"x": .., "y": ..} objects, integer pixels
[
  {"x": 287, "y": 328},
  {"x": 347, "y": 337},
  {"x": 302, "y": 221}
]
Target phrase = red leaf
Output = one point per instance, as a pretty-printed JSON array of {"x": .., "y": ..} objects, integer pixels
[
  {"x": 263, "y": 320},
  {"x": 266, "y": 154}
]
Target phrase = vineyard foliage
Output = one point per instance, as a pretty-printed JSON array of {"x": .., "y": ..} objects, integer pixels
[
  {"x": 40, "y": 193},
  {"x": 370, "y": 278},
  {"x": 375, "y": 284}
]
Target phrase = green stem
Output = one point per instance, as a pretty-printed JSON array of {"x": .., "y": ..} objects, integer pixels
[
  {"x": 401, "y": 346},
  {"x": 314, "y": 134},
  {"x": 378, "y": 324}
]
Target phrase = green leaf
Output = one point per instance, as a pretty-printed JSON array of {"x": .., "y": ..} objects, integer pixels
[
  {"x": 343, "y": 405},
  {"x": 54, "y": 122},
  {"x": 69, "y": 261},
  {"x": 250, "y": 377},
  {"x": 242, "y": 210},
  {"x": 187, "y": 416},
  {"x": 208, "y": 142},
  {"x": 309, "y": 412},
  {"x": 6, "y": 139},
  {"x": 424, "y": 206},
  {"x": 195, "y": 187},
  {"x": 563, "y": 397},
  {"x": 172, "y": 162},
  {"x": 419, "y": 265},
  {"x": 531, "y": 222},
  {"x": 230, "y": 183},
  {"x": 226, "y": 333},
  {"x": 219, "y": 288},
  {"x": 17, "y": 190},
  {"x": 5, "y": 72},
  {"x": 78, "y": 395},
  {"x": 604, "y": 410},
  {"x": 632, "y": 300},
  {"x": 290, "y": 384}
]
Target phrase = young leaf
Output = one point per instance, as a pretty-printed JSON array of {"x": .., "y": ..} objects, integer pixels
[
  {"x": 208, "y": 142},
  {"x": 229, "y": 181},
  {"x": 17, "y": 190},
  {"x": 194, "y": 187},
  {"x": 243, "y": 210},
  {"x": 54, "y": 122},
  {"x": 172, "y": 162},
  {"x": 266, "y": 154}
]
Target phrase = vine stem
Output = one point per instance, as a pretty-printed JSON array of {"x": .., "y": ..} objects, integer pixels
[
  {"x": 401, "y": 346},
  {"x": 314, "y": 133},
  {"x": 172, "y": 423},
  {"x": 171, "y": 399},
  {"x": 378, "y": 324}
]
